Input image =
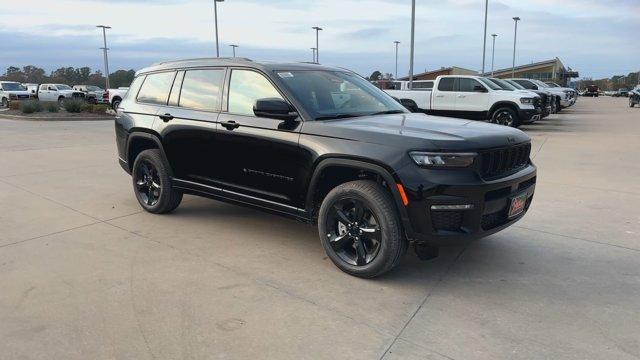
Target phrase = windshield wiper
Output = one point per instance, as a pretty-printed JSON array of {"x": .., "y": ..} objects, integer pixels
[
  {"x": 337, "y": 116},
  {"x": 387, "y": 112}
]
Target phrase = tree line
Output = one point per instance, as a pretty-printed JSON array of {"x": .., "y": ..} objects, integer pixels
[
  {"x": 614, "y": 83},
  {"x": 67, "y": 75}
]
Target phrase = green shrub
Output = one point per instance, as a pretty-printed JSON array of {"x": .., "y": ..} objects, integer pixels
[
  {"x": 15, "y": 105},
  {"x": 73, "y": 105},
  {"x": 100, "y": 108},
  {"x": 87, "y": 108},
  {"x": 30, "y": 107},
  {"x": 52, "y": 107}
]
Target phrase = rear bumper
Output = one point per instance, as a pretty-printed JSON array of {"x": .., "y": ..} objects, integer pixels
[{"x": 487, "y": 203}]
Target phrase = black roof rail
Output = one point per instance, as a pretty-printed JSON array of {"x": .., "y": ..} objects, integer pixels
[{"x": 201, "y": 59}]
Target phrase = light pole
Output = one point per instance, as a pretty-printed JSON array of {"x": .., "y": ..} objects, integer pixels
[
  {"x": 484, "y": 37},
  {"x": 397, "y": 43},
  {"x": 515, "y": 37},
  {"x": 215, "y": 15},
  {"x": 106, "y": 58},
  {"x": 234, "y": 49},
  {"x": 314, "y": 54},
  {"x": 413, "y": 33},
  {"x": 493, "y": 52},
  {"x": 317, "y": 29}
]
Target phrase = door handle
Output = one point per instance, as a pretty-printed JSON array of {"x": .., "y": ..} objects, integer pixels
[
  {"x": 166, "y": 117},
  {"x": 462, "y": 96},
  {"x": 439, "y": 96},
  {"x": 230, "y": 125}
]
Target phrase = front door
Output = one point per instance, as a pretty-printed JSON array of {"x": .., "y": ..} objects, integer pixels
[
  {"x": 472, "y": 103},
  {"x": 257, "y": 156},
  {"x": 444, "y": 97}
]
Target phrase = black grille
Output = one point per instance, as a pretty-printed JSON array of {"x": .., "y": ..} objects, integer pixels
[
  {"x": 446, "y": 220},
  {"x": 493, "y": 220},
  {"x": 78, "y": 95},
  {"x": 496, "y": 163},
  {"x": 536, "y": 103}
]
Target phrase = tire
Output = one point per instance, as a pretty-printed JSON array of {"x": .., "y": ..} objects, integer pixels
[
  {"x": 558, "y": 106},
  {"x": 631, "y": 103},
  {"x": 116, "y": 102},
  {"x": 375, "y": 244},
  {"x": 152, "y": 183},
  {"x": 506, "y": 116},
  {"x": 5, "y": 102},
  {"x": 61, "y": 101}
]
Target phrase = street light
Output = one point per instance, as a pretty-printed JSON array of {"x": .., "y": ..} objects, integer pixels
[
  {"x": 493, "y": 52},
  {"x": 314, "y": 54},
  {"x": 106, "y": 58},
  {"x": 413, "y": 33},
  {"x": 397, "y": 43},
  {"x": 484, "y": 37},
  {"x": 515, "y": 37},
  {"x": 234, "y": 49},
  {"x": 317, "y": 29},
  {"x": 215, "y": 14}
]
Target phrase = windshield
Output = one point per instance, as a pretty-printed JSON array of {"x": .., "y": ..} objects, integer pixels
[
  {"x": 13, "y": 87},
  {"x": 63, "y": 87},
  {"x": 503, "y": 84},
  {"x": 516, "y": 85},
  {"x": 93, "y": 88},
  {"x": 552, "y": 85},
  {"x": 540, "y": 83},
  {"x": 490, "y": 84},
  {"x": 335, "y": 94}
]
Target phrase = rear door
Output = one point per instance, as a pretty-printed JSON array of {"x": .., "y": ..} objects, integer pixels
[
  {"x": 469, "y": 102},
  {"x": 188, "y": 124},
  {"x": 257, "y": 156},
  {"x": 443, "y": 99}
]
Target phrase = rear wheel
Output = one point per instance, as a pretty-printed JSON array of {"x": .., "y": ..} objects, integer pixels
[
  {"x": 631, "y": 103},
  {"x": 116, "y": 103},
  {"x": 360, "y": 230},
  {"x": 505, "y": 116},
  {"x": 152, "y": 183},
  {"x": 5, "y": 102}
]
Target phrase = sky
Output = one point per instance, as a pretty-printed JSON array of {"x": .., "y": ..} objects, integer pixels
[{"x": 597, "y": 38}]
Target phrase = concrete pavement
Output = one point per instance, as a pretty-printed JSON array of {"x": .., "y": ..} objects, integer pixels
[{"x": 85, "y": 274}]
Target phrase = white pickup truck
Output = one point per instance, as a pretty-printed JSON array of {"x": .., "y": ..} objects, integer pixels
[
  {"x": 472, "y": 97},
  {"x": 58, "y": 92},
  {"x": 115, "y": 96}
]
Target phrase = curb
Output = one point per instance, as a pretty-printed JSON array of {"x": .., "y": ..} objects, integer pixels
[{"x": 35, "y": 118}]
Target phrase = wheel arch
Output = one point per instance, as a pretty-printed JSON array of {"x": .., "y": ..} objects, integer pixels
[
  {"x": 500, "y": 104},
  {"x": 316, "y": 193},
  {"x": 139, "y": 141}
]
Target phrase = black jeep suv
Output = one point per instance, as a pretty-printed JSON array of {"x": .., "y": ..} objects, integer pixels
[{"x": 322, "y": 145}]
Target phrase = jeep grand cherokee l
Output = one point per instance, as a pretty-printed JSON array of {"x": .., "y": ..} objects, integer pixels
[{"x": 323, "y": 145}]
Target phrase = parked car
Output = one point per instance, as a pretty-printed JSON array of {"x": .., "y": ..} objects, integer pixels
[
  {"x": 93, "y": 94},
  {"x": 545, "y": 99},
  {"x": 115, "y": 96},
  {"x": 325, "y": 146},
  {"x": 609, "y": 93},
  {"x": 472, "y": 97},
  {"x": 58, "y": 92},
  {"x": 552, "y": 99},
  {"x": 563, "y": 99},
  {"x": 570, "y": 93},
  {"x": 623, "y": 92},
  {"x": 634, "y": 96},
  {"x": 592, "y": 91},
  {"x": 12, "y": 91}
]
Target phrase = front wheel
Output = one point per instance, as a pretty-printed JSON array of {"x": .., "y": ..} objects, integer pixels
[
  {"x": 61, "y": 101},
  {"x": 152, "y": 183},
  {"x": 360, "y": 230},
  {"x": 631, "y": 103},
  {"x": 505, "y": 116},
  {"x": 5, "y": 102}
]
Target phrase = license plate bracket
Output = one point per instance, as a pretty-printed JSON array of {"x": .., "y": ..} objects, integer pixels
[{"x": 517, "y": 205}]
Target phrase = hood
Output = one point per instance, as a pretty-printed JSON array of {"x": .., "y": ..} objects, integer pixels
[{"x": 420, "y": 131}]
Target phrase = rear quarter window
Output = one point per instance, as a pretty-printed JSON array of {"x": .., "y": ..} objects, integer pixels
[
  {"x": 446, "y": 84},
  {"x": 156, "y": 87}
]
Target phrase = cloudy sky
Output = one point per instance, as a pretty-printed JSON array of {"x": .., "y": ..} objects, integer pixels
[{"x": 597, "y": 38}]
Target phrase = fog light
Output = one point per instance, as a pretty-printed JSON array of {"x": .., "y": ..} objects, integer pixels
[{"x": 451, "y": 207}]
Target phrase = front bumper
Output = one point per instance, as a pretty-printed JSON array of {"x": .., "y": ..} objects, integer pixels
[
  {"x": 529, "y": 115},
  {"x": 489, "y": 203}
]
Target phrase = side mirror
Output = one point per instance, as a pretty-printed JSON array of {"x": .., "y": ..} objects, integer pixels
[
  {"x": 480, "y": 89},
  {"x": 535, "y": 87},
  {"x": 274, "y": 108}
]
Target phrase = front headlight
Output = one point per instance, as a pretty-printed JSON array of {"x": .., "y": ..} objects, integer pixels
[
  {"x": 527, "y": 101},
  {"x": 442, "y": 160}
]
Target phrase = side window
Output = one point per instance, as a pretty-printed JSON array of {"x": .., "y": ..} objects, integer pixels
[
  {"x": 423, "y": 85},
  {"x": 245, "y": 88},
  {"x": 202, "y": 89},
  {"x": 155, "y": 89},
  {"x": 467, "y": 85},
  {"x": 135, "y": 87},
  {"x": 525, "y": 84},
  {"x": 53, "y": 88},
  {"x": 446, "y": 84}
]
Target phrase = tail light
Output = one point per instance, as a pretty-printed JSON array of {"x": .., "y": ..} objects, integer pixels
[{"x": 105, "y": 95}]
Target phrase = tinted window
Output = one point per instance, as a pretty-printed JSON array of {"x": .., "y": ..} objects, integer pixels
[
  {"x": 135, "y": 86},
  {"x": 201, "y": 90},
  {"x": 526, "y": 84},
  {"x": 446, "y": 84},
  {"x": 423, "y": 85},
  {"x": 175, "y": 90},
  {"x": 245, "y": 88},
  {"x": 467, "y": 85},
  {"x": 156, "y": 88}
]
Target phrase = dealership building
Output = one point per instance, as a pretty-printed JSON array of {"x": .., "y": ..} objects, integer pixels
[
  {"x": 432, "y": 75},
  {"x": 549, "y": 70}
]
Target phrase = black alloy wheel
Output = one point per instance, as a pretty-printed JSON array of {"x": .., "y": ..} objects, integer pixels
[
  {"x": 360, "y": 229},
  {"x": 504, "y": 116},
  {"x": 148, "y": 183},
  {"x": 152, "y": 183},
  {"x": 354, "y": 232}
]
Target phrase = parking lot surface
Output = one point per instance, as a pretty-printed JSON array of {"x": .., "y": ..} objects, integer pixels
[{"x": 85, "y": 274}]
